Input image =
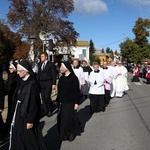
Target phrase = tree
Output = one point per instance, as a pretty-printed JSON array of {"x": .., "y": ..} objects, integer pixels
[
  {"x": 130, "y": 51},
  {"x": 116, "y": 52},
  {"x": 141, "y": 32},
  {"x": 103, "y": 51},
  {"x": 111, "y": 54},
  {"x": 22, "y": 50},
  {"x": 29, "y": 17},
  {"x": 7, "y": 42},
  {"x": 93, "y": 58},
  {"x": 92, "y": 47},
  {"x": 137, "y": 49},
  {"x": 108, "y": 50},
  {"x": 10, "y": 43}
]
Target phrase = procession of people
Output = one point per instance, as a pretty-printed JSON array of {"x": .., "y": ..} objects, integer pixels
[{"x": 77, "y": 82}]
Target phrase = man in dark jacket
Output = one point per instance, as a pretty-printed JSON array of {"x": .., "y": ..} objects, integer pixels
[{"x": 47, "y": 79}]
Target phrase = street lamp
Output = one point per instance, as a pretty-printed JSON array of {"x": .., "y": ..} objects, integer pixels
[
  {"x": 32, "y": 51},
  {"x": 50, "y": 41}
]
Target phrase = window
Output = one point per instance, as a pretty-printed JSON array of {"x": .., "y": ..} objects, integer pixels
[{"x": 84, "y": 52}]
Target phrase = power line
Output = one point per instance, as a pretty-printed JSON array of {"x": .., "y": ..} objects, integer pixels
[{"x": 115, "y": 41}]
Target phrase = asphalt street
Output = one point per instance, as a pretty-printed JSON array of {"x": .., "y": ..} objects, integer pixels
[{"x": 125, "y": 125}]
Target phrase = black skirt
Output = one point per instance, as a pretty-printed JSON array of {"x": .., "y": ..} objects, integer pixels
[
  {"x": 148, "y": 80},
  {"x": 23, "y": 139},
  {"x": 85, "y": 89},
  {"x": 68, "y": 122},
  {"x": 97, "y": 103},
  {"x": 135, "y": 79}
]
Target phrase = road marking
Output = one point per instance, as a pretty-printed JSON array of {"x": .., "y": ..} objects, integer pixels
[{"x": 138, "y": 83}]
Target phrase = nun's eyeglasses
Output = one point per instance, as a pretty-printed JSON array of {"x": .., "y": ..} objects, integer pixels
[{"x": 19, "y": 71}]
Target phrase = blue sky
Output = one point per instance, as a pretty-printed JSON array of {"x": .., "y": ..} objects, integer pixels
[{"x": 106, "y": 22}]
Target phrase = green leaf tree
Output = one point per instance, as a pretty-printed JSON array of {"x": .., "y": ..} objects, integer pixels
[
  {"x": 130, "y": 51},
  {"x": 138, "y": 48},
  {"x": 92, "y": 47},
  {"x": 93, "y": 58},
  {"x": 103, "y": 51},
  {"x": 108, "y": 50}
]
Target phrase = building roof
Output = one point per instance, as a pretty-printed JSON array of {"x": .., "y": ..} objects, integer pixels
[
  {"x": 82, "y": 43},
  {"x": 78, "y": 43},
  {"x": 99, "y": 53},
  {"x": 146, "y": 60}
]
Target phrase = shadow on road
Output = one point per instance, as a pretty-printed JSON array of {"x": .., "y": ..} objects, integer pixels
[
  {"x": 145, "y": 82},
  {"x": 52, "y": 139},
  {"x": 84, "y": 115}
]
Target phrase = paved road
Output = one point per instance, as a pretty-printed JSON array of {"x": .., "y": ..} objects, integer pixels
[{"x": 124, "y": 126}]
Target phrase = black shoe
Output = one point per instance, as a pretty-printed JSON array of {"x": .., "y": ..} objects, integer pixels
[
  {"x": 72, "y": 137},
  {"x": 103, "y": 110},
  {"x": 106, "y": 105},
  {"x": 49, "y": 114}
]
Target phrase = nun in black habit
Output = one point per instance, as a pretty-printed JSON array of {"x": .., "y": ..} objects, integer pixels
[
  {"x": 12, "y": 82},
  {"x": 25, "y": 133},
  {"x": 69, "y": 98}
]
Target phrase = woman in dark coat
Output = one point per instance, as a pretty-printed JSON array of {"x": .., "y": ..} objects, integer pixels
[
  {"x": 69, "y": 97},
  {"x": 25, "y": 133},
  {"x": 2, "y": 95},
  {"x": 136, "y": 73},
  {"x": 13, "y": 79}
]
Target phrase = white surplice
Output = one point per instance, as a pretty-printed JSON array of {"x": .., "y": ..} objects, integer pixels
[
  {"x": 121, "y": 81},
  {"x": 96, "y": 81},
  {"x": 113, "y": 83},
  {"x": 107, "y": 73},
  {"x": 80, "y": 74}
]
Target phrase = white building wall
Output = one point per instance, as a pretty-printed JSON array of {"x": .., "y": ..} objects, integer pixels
[{"x": 78, "y": 52}]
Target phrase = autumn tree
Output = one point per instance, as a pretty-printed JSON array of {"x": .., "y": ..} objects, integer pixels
[
  {"x": 11, "y": 45},
  {"x": 7, "y": 42},
  {"x": 29, "y": 17},
  {"x": 21, "y": 50}
]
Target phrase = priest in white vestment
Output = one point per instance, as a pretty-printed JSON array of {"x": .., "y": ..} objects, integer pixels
[
  {"x": 113, "y": 83},
  {"x": 121, "y": 80}
]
